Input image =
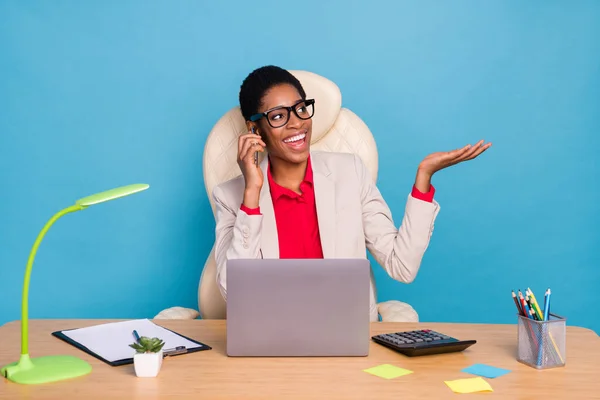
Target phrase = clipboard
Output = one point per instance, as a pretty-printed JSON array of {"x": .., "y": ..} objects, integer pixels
[{"x": 125, "y": 361}]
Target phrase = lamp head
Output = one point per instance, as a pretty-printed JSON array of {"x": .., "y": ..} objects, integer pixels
[{"x": 111, "y": 194}]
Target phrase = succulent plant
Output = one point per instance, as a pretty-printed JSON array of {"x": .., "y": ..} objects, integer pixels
[{"x": 148, "y": 345}]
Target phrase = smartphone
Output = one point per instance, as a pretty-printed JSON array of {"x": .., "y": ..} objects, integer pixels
[{"x": 256, "y": 152}]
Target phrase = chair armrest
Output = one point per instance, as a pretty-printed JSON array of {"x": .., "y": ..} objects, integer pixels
[
  {"x": 397, "y": 311},
  {"x": 177, "y": 313}
]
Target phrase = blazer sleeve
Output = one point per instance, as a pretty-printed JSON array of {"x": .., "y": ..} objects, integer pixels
[
  {"x": 398, "y": 251},
  {"x": 237, "y": 235}
]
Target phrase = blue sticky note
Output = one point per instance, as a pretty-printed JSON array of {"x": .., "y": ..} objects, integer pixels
[{"x": 485, "y": 370}]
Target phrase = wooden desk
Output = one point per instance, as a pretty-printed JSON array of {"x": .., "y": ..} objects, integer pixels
[{"x": 211, "y": 374}]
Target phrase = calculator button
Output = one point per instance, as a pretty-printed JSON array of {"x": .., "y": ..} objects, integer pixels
[{"x": 419, "y": 340}]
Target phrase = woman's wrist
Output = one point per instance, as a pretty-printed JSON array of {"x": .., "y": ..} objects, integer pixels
[
  {"x": 251, "y": 198},
  {"x": 423, "y": 181}
]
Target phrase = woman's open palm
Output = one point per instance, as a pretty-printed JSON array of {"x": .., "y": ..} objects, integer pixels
[{"x": 444, "y": 159}]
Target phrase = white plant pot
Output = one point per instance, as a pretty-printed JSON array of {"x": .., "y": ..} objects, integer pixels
[{"x": 147, "y": 365}]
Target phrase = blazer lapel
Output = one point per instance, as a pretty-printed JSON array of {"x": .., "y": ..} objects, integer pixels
[
  {"x": 325, "y": 200},
  {"x": 269, "y": 242}
]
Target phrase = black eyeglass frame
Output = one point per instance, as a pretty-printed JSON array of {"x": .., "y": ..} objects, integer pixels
[{"x": 309, "y": 102}]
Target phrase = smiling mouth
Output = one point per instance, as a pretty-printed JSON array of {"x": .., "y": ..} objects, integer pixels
[{"x": 296, "y": 139}]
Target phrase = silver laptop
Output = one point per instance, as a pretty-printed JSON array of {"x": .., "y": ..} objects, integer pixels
[{"x": 307, "y": 307}]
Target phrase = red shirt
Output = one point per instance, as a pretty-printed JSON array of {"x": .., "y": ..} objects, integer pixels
[{"x": 296, "y": 216}]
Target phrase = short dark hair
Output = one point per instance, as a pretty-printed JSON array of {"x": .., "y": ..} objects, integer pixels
[{"x": 259, "y": 82}]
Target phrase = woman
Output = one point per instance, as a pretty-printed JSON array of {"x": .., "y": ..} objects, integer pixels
[{"x": 303, "y": 204}]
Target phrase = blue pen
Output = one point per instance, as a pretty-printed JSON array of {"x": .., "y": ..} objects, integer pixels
[
  {"x": 547, "y": 305},
  {"x": 136, "y": 336}
]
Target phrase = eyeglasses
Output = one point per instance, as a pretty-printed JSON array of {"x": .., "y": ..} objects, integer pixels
[{"x": 279, "y": 116}]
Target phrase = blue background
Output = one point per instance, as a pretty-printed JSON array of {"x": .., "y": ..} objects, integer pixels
[{"x": 97, "y": 95}]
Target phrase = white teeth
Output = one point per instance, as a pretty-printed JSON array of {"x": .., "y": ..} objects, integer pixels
[{"x": 295, "y": 138}]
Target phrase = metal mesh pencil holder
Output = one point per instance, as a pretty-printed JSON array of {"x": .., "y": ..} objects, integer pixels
[{"x": 542, "y": 344}]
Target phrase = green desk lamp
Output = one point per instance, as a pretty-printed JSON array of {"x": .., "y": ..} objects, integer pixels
[{"x": 54, "y": 368}]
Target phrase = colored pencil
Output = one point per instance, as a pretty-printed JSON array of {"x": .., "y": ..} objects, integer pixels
[
  {"x": 536, "y": 306},
  {"x": 547, "y": 305},
  {"x": 517, "y": 303}
]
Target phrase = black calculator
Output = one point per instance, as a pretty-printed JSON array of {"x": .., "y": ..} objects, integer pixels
[{"x": 422, "y": 342}]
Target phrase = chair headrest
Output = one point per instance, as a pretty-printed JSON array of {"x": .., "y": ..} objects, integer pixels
[{"x": 328, "y": 101}]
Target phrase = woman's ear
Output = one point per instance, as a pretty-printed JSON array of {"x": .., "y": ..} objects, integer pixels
[
  {"x": 252, "y": 127},
  {"x": 259, "y": 133}
]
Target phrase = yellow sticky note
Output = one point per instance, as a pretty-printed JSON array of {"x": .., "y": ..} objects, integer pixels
[
  {"x": 469, "y": 385},
  {"x": 388, "y": 371}
]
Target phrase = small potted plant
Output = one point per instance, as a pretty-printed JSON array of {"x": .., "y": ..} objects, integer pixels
[{"x": 148, "y": 356}]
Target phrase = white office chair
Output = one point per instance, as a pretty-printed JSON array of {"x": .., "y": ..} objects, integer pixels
[{"x": 334, "y": 129}]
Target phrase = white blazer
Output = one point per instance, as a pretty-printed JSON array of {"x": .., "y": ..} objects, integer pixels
[{"x": 353, "y": 218}]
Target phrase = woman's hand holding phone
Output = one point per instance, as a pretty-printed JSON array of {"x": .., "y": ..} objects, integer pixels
[{"x": 248, "y": 145}]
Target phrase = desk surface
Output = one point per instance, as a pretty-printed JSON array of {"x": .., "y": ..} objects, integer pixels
[{"x": 211, "y": 374}]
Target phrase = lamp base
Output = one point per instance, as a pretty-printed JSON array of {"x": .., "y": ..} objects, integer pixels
[{"x": 34, "y": 371}]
